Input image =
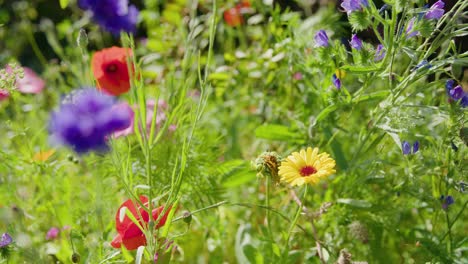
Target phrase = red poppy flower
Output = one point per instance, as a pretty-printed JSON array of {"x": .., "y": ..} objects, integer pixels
[
  {"x": 130, "y": 234},
  {"x": 233, "y": 17},
  {"x": 111, "y": 71}
]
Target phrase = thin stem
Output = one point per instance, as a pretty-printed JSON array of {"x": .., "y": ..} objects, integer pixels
[
  {"x": 267, "y": 216},
  {"x": 317, "y": 243},
  {"x": 449, "y": 233},
  {"x": 293, "y": 224}
]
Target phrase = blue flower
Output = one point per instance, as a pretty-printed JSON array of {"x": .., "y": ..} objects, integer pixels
[
  {"x": 321, "y": 38},
  {"x": 422, "y": 64},
  {"x": 449, "y": 85},
  {"x": 5, "y": 240},
  {"x": 113, "y": 15},
  {"x": 415, "y": 146},
  {"x": 447, "y": 201},
  {"x": 406, "y": 147},
  {"x": 464, "y": 101},
  {"x": 355, "y": 42},
  {"x": 379, "y": 53},
  {"x": 353, "y": 5},
  {"x": 336, "y": 82},
  {"x": 84, "y": 122},
  {"x": 436, "y": 11},
  {"x": 383, "y": 8},
  {"x": 409, "y": 29},
  {"x": 457, "y": 93}
]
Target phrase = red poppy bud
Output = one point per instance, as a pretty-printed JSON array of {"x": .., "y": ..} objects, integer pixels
[{"x": 129, "y": 234}]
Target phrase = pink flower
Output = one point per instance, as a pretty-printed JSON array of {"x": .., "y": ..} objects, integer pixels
[
  {"x": 52, "y": 233},
  {"x": 150, "y": 111},
  {"x": 30, "y": 83},
  {"x": 4, "y": 94}
]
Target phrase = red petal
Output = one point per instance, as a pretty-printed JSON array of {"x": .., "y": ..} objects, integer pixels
[
  {"x": 134, "y": 242},
  {"x": 117, "y": 241}
]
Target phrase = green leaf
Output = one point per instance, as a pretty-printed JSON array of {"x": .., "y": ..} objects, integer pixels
[
  {"x": 64, "y": 3},
  {"x": 359, "y": 20},
  {"x": 276, "y": 132},
  {"x": 360, "y": 69},
  {"x": 165, "y": 231},
  {"x": 354, "y": 203}
]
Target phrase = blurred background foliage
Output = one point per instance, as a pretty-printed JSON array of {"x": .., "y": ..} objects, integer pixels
[{"x": 271, "y": 90}]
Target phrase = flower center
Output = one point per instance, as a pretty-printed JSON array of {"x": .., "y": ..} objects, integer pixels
[
  {"x": 111, "y": 68},
  {"x": 307, "y": 171}
]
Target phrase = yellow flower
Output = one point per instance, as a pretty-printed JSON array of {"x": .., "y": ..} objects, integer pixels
[
  {"x": 306, "y": 166},
  {"x": 43, "y": 155}
]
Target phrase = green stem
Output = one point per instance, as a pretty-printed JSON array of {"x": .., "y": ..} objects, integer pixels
[
  {"x": 267, "y": 204},
  {"x": 449, "y": 244},
  {"x": 293, "y": 224}
]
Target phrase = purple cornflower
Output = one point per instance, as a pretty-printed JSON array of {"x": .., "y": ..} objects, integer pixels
[
  {"x": 355, "y": 42},
  {"x": 447, "y": 201},
  {"x": 353, "y": 5},
  {"x": 436, "y": 11},
  {"x": 406, "y": 147},
  {"x": 52, "y": 233},
  {"x": 113, "y": 15},
  {"x": 86, "y": 120},
  {"x": 379, "y": 53},
  {"x": 457, "y": 93},
  {"x": 336, "y": 82},
  {"x": 321, "y": 38},
  {"x": 5, "y": 240}
]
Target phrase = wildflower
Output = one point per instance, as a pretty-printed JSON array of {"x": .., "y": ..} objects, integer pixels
[
  {"x": 111, "y": 71},
  {"x": 464, "y": 101},
  {"x": 355, "y": 42},
  {"x": 306, "y": 166},
  {"x": 409, "y": 29},
  {"x": 436, "y": 11},
  {"x": 447, "y": 201},
  {"x": 422, "y": 64},
  {"x": 297, "y": 76},
  {"x": 86, "y": 121},
  {"x": 4, "y": 94},
  {"x": 112, "y": 15},
  {"x": 43, "y": 155},
  {"x": 233, "y": 17},
  {"x": 379, "y": 53},
  {"x": 321, "y": 38},
  {"x": 415, "y": 146},
  {"x": 52, "y": 233},
  {"x": 383, "y": 8},
  {"x": 336, "y": 82},
  {"x": 449, "y": 85},
  {"x": 150, "y": 108},
  {"x": 267, "y": 164},
  {"x": 354, "y": 5},
  {"x": 456, "y": 93},
  {"x": 5, "y": 240},
  {"x": 129, "y": 234},
  {"x": 406, "y": 147},
  {"x": 30, "y": 83}
]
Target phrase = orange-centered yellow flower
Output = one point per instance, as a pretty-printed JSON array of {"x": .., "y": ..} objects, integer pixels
[{"x": 306, "y": 166}]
